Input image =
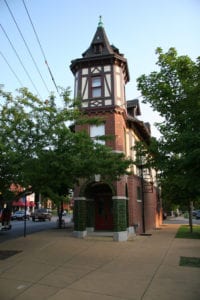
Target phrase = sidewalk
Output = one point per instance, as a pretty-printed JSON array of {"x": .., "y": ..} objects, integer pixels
[{"x": 56, "y": 266}]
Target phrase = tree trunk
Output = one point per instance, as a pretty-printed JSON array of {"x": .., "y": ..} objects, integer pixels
[
  {"x": 60, "y": 213},
  {"x": 190, "y": 216}
]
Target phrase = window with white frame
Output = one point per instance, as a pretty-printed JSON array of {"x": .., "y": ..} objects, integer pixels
[
  {"x": 96, "y": 87},
  {"x": 97, "y": 131}
]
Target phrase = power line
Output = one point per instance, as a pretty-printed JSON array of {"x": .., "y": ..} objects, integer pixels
[
  {"x": 11, "y": 69},
  {"x": 25, "y": 70},
  {"x": 40, "y": 46},
  {"x": 28, "y": 49}
]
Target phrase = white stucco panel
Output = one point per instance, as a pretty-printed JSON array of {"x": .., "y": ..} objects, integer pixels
[
  {"x": 107, "y": 85},
  {"x": 85, "y": 71},
  {"x": 107, "y": 68},
  {"x": 84, "y": 90}
]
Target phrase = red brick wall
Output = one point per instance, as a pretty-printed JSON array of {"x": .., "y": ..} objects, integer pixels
[
  {"x": 115, "y": 126},
  {"x": 135, "y": 207}
]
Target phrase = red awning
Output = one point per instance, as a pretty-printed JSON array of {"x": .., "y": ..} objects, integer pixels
[{"x": 22, "y": 203}]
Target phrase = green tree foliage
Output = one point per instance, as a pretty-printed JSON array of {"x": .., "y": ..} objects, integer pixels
[
  {"x": 174, "y": 92},
  {"x": 39, "y": 150}
]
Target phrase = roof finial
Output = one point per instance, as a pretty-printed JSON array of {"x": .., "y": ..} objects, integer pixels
[{"x": 100, "y": 24}]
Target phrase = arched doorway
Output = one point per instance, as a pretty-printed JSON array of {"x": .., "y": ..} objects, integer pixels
[{"x": 101, "y": 194}]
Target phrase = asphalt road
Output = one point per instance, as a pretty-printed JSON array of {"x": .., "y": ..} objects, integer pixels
[{"x": 22, "y": 228}]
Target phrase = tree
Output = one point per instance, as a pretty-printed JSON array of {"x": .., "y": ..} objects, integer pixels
[
  {"x": 14, "y": 133},
  {"x": 45, "y": 154},
  {"x": 174, "y": 92}
]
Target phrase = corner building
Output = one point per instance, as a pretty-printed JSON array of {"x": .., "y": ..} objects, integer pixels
[{"x": 129, "y": 206}]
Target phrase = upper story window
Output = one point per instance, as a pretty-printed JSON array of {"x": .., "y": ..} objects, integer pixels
[
  {"x": 96, "y": 86},
  {"x": 96, "y": 131}
]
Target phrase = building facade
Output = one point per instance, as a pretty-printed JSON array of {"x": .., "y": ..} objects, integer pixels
[{"x": 130, "y": 205}]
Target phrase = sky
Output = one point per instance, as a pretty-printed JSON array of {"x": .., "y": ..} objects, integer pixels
[{"x": 65, "y": 29}]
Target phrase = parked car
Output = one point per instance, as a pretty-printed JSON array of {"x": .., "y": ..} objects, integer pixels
[
  {"x": 20, "y": 215},
  {"x": 41, "y": 214},
  {"x": 198, "y": 214},
  {"x": 194, "y": 213}
]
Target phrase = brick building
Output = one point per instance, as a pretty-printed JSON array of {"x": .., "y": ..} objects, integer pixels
[{"x": 130, "y": 205}]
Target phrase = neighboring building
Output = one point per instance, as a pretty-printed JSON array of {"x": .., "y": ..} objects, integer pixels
[
  {"x": 27, "y": 201},
  {"x": 131, "y": 204}
]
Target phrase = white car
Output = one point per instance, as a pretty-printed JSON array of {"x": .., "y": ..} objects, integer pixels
[{"x": 20, "y": 215}]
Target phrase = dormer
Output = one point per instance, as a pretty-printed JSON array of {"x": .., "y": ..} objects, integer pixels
[{"x": 133, "y": 108}]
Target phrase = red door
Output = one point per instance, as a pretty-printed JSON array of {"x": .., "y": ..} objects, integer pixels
[{"x": 103, "y": 213}]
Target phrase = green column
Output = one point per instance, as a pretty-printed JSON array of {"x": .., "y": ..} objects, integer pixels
[
  {"x": 120, "y": 213},
  {"x": 127, "y": 213},
  {"x": 80, "y": 214}
]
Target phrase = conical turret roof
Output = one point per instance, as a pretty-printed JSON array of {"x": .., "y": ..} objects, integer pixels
[
  {"x": 100, "y": 43},
  {"x": 100, "y": 50}
]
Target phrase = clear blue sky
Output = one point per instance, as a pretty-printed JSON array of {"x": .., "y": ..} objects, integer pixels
[{"x": 66, "y": 28}]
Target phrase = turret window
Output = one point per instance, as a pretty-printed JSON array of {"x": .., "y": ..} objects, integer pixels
[
  {"x": 98, "y": 49},
  {"x": 96, "y": 87}
]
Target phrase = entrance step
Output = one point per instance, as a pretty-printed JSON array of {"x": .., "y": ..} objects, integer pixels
[{"x": 100, "y": 236}]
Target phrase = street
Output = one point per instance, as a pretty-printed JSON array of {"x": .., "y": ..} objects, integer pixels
[
  {"x": 20, "y": 228},
  {"x": 180, "y": 220}
]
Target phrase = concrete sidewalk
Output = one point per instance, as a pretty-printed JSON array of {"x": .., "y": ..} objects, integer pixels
[{"x": 54, "y": 265}]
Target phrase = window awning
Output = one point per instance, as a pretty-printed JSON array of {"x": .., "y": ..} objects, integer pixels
[{"x": 21, "y": 203}]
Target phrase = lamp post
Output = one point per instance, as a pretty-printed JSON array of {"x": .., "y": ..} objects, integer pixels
[
  {"x": 25, "y": 208},
  {"x": 97, "y": 177}
]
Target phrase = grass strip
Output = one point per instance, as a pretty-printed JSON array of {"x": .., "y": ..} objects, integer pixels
[
  {"x": 184, "y": 232},
  {"x": 189, "y": 262}
]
